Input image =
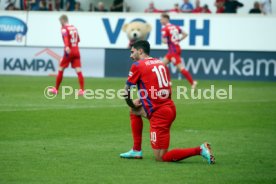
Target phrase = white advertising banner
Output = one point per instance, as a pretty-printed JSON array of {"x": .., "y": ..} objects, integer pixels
[
  {"x": 206, "y": 32},
  {"x": 45, "y": 61}
]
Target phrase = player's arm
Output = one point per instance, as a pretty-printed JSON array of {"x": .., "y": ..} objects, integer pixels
[
  {"x": 164, "y": 37},
  {"x": 78, "y": 35},
  {"x": 183, "y": 35},
  {"x": 66, "y": 40},
  {"x": 133, "y": 77},
  {"x": 128, "y": 99}
]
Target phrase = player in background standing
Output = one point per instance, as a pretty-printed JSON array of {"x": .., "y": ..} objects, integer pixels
[
  {"x": 71, "y": 54},
  {"x": 151, "y": 77},
  {"x": 172, "y": 35}
]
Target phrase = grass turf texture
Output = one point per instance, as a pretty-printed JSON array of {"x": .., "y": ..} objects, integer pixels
[{"x": 79, "y": 141}]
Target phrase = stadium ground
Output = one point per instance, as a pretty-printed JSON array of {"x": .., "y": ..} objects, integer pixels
[{"x": 78, "y": 141}]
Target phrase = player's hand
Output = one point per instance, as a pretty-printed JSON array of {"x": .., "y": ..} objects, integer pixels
[
  {"x": 139, "y": 110},
  {"x": 67, "y": 50},
  {"x": 137, "y": 103}
]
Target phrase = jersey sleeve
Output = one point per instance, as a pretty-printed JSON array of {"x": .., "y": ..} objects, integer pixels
[
  {"x": 134, "y": 74},
  {"x": 78, "y": 35},
  {"x": 65, "y": 37}
]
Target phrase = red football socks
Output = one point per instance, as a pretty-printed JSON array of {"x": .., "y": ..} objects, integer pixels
[
  {"x": 81, "y": 80},
  {"x": 188, "y": 76},
  {"x": 180, "y": 154},
  {"x": 137, "y": 129},
  {"x": 59, "y": 78}
]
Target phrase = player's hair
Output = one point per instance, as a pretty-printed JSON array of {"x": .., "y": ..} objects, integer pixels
[
  {"x": 165, "y": 15},
  {"x": 142, "y": 44},
  {"x": 63, "y": 17}
]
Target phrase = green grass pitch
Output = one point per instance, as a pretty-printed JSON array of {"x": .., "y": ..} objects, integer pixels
[{"x": 79, "y": 141}]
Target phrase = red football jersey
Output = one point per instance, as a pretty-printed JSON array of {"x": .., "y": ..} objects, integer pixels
[
  {"x": 172, "y": 34},
  {"x": 153, "y": 82},
  {"x": 70, "y": 36}
]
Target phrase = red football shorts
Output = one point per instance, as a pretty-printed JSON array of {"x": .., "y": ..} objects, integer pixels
[
  {"x": 174, "y": 57},
  {"x": 73, "y": 58},
  {"x": 160, "y": 124}
]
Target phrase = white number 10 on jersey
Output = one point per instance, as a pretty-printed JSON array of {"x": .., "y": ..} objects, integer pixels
[{"x": 161, "y": 75}]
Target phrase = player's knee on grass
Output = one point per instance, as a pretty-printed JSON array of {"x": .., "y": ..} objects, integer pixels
[
  {"x": 159, "y": 153},
  {"x": 61, "y": 69}
]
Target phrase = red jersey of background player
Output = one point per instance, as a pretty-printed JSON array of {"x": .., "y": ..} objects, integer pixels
[
  {"x": 153, "y": 85},
  {"x": 171, "y": 33},
  {"x": 71, "y": 38}
]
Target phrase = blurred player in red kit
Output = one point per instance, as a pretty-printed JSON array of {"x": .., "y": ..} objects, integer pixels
[
  {"x": 153, "y": 82},
  {"x": 71, "y": 55},
  {"x": 172, "y": 35}
]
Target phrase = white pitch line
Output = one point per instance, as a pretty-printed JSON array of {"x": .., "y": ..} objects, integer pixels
[
  {"x": 221, "y": 101},
  {"x": 37, "y": 108},
  {"x": 40, "y": 107},
  {"x": 189, "y": 101}
]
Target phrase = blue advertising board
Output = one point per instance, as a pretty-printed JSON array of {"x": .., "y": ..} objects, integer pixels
[
  {"x": 211, "y": 65},
  {"x": 12, "y": 28}
]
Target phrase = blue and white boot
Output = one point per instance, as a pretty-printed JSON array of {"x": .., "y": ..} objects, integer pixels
[
  {"x": 207, "y": 153},
  {"x": 132, "y": 154}
]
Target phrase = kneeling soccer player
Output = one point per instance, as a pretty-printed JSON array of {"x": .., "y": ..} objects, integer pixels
[{"x": 152, "y": 79}]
